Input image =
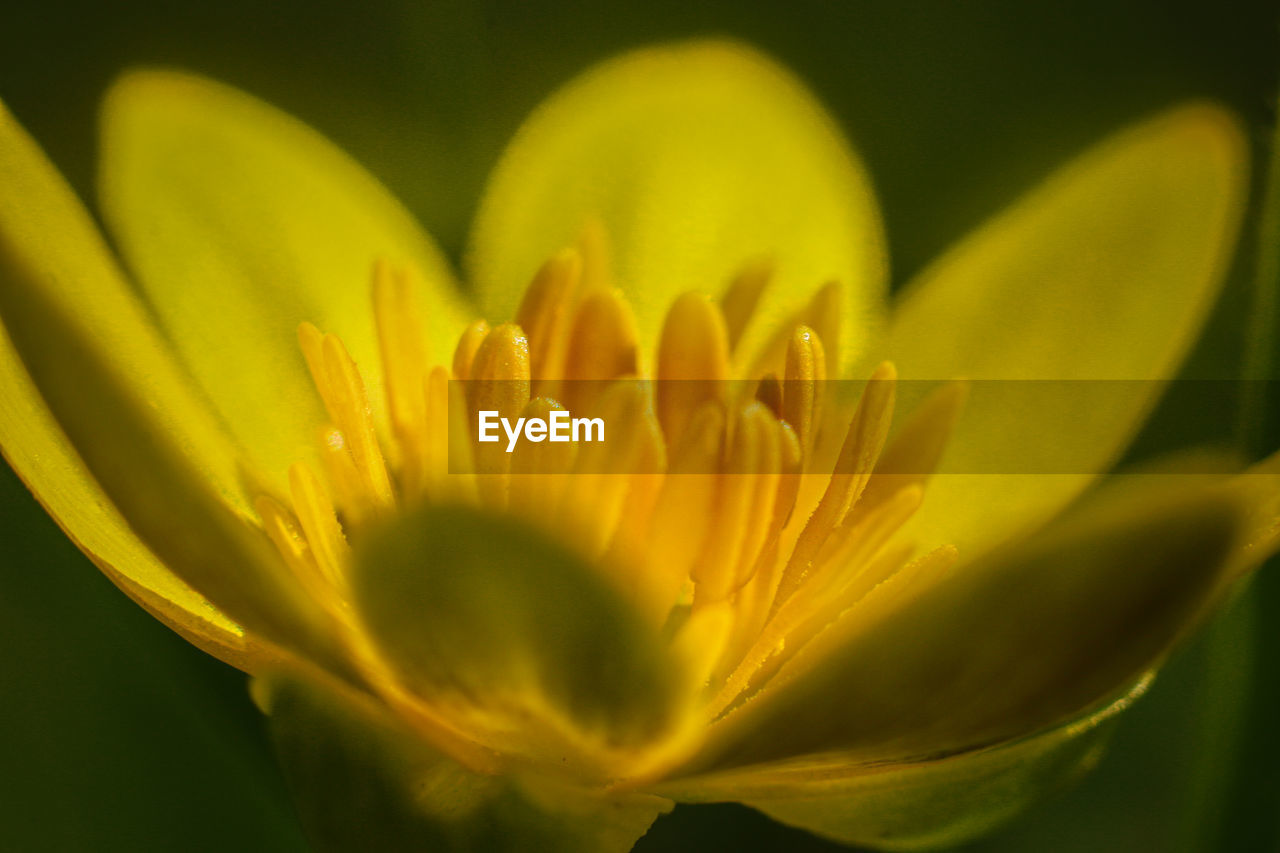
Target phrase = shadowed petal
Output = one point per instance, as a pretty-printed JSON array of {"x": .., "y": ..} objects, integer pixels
[
  {"x": 1107, "y": 271},
  {"x": 922, "y": 805},
  {"x": 1017, "y": 641},
  {"x": 127, "y": 409},
  {"x": 478, "y": 611},
  {"x": 49, "y": 245},
  {"x": 362, "y": 781}
]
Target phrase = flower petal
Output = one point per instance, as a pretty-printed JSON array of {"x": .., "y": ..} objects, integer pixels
[
  {"x": 47, "y": 240},
  {"x": 117, "y": 395},
  {"x": 1106, "y": 271},
  {"x": 478, "y": 610},
  {"x": 698, "y": 159},
  {"x": 924, "y": 805},
  {"x": 35, "y": 447},
  {"x": 1015, "y": 642},
  {"x": 240, "y": 223},
  {"x": 362, "y": 781}
]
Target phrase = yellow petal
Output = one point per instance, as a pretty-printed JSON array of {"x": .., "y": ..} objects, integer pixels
[
  {"x": 910, "y": 806},
  {"x": 114, "y": 390},
  {"x": 47, "y": 240},
  {"x": 1106, "y": 271},
  {"x": 38, "y": 451},
  {"x": 699, "y": 159},
  {"x": 147, "y": 471},
  {"x": 1047, "y": 629},
  {"x": 239, "y": 223}
]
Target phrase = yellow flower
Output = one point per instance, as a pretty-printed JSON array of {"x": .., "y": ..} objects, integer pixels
[{"x": 747, "y": 595}]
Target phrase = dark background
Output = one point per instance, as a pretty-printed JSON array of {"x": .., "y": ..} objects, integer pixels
[{"x": 116, "y": 735}]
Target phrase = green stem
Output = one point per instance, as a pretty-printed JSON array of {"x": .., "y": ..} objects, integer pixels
[
  {"x": 1264, "y": 313},
  {"x": 1248, "y": 823}
]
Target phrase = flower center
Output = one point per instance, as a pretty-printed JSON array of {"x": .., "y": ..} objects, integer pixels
[{"x": 730, "y": 502}]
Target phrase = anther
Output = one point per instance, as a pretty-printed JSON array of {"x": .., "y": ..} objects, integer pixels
[
  {"x": 545, "y": 312},
  {"x": 693, "y": 362},
  {"x": 499, "y": 381},
  {"x": 862, "y": 445},
  {"x": 803, "y": 388},
  {"x": 319, "y": 522},
  {"x": 465, "y": 352},
  {"x": 603, "y": 345}
]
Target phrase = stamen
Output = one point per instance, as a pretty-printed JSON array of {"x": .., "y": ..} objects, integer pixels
[
  {"x": 341, "y": 471},
  {"x": 348, "y": 404},
  {"x": 868, "y": 567},
  {"x": 435, "y": 438},
  {"x": 342, "y": 390},
  {"x": 540, "y": 471},
  {"x": 682, "y": 515},
  {"x": 803, "y": 389},
  {"x": 887, "y": 583},
  {"x": 603, "y": 471},
  {"x": 701, "y": 640},
  {"x": 822, "y": 314},
  {"x": 921, "y": 573},
  {"x": 499, "y": 382},
  {"x": 603, "y": 345},
  {"x": 465, "y": 352},
  {"x": 789, "y": 484},
  {"x": 767, "y": 435},
  {"x": 545, "y": 313},
  {"x": 917, "y": 448},
  {"x": 643, "y": 489},
  {"x": 290, "y": 542},
  {"x": 693, "y": 362},
  {"x": 462, "y": 462},
  {"x": 404, "y": 361},
  {"x": 500, "y": 373},
  {"x": 851, "y": 546},
  {"x": 691, "y": 503},
  {"x": 744, "y": 505},
  {"x": 320, "y": 523},
  {"x": 811, "y": 611},
  {"x": 862, "y": 445},
  {"x": 756, "y": 597}
]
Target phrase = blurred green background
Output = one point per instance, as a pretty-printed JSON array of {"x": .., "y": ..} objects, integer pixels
[{"x": 116, "y": 735}]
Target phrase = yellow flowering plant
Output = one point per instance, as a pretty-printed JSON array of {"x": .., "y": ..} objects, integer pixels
[{"x": 252, "y": 424}]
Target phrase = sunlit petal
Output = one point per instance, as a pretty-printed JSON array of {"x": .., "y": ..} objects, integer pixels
[
  {"x": 698, "y": 159},
  {"x": 240, "y": 222}
]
